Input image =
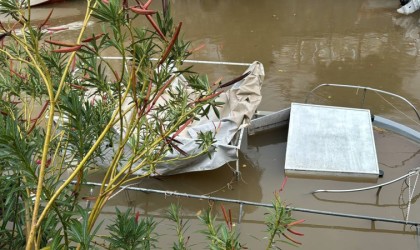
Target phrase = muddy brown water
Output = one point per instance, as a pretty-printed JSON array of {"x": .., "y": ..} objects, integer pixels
[{"x": 301, "y": 43}]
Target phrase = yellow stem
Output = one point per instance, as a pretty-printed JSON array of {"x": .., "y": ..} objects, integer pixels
[
  {"x": 88, "y": 13},
  {"x": 77, "y": 169},
  {"x": 36, "y": 222},
  {"x": 80, "y": 165},
  {"x": 15, "y": 58},
  {"x": 40, "y": 179},
  {"x": 44, "y": 159}
]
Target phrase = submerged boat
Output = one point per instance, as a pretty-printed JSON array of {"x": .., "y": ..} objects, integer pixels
[
  {"x": 262, "y": 168},
  {"x": 322, "y": 140},
  {"x": 227, "y": 125}
]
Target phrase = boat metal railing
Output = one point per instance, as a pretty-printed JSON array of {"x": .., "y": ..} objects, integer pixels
[
  {"x": 406, "y": 178},
  {"x": 379, "y": 186},
  {"x": 186, "y": 61},
  {"x": 242, "y": 203},
  {"x": 411, "y": 134},
  {"x": 365, "y": 89}
]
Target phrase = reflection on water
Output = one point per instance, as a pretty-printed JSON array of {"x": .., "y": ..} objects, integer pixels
[
  {"x": 304, "y": 43},
  {"x": 301, "y": 43}
]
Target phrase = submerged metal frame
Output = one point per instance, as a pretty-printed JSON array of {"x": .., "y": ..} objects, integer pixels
[
  {"x": 365, "y": 89},
  {"x": 186, "y": 61},
  {"x": 270, "y": 120},
  {"x": 282, "y": 118},
  {"x": 258, "y": 204}
]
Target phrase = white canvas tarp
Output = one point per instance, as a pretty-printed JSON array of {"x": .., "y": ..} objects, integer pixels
[{"x": 240, "y": 103}]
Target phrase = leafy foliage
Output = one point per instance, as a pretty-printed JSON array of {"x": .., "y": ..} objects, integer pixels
[
  {"x": 66, "y": 108},
  {"x": 222, "y": 236},
  {"x": 128, "y": 232},
  {"x": 278, "y": 221},
  {"x": 174, "y": 214},
  {"x": 78, "y": 230}
]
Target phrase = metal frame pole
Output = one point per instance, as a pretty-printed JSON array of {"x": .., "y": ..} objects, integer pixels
[{"x": 250, "y": 203}]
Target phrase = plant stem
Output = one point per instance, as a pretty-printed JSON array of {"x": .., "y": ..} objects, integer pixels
[
  {"x": 77, "y": 169},
  {"x": 88, "y": 13}
]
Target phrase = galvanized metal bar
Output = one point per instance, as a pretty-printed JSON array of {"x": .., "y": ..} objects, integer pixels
[
  {"x": 364, "y": 88},
  {"x": 269, "y": 121},
  {"x": 187, "y": 61},
  {"x": 354, "y": 216},
  {"x": 250, "y": 203},
  {"x": 397, "y": 128}
]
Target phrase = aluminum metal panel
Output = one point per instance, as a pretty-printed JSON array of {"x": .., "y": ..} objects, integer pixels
[{"x": 330, "y": 140}]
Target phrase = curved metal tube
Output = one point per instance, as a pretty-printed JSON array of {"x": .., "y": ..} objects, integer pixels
[
  {"x": 412, "y": 172},
  {"x": 364, "y": 88}
]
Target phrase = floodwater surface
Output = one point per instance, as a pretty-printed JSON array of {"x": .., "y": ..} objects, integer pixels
[{"x": 301, "y": 43}]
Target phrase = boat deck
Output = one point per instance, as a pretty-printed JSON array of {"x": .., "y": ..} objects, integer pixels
[{"x": 326, "y": 140}]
